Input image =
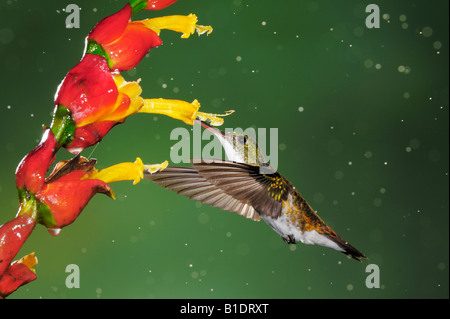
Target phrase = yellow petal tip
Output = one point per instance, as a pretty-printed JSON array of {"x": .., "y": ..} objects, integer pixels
[
  {"x": 29, "y": 260},
  {"x": 155, "y": 167}
]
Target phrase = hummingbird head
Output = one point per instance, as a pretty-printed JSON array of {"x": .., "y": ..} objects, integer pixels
[{"x": 239, "y": 147}]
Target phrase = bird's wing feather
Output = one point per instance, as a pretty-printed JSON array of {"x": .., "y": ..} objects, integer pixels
[
  {"x": 188, "y": 182},
  {"x": 243, "y": 182}
]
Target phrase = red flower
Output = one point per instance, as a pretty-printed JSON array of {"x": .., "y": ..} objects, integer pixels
[
  {"x": 88, "y": 90},
  {"x": 158, "y": 4},
  {"x": 56, "y": 201},
  {"x": 124, "y": 43},
  {"x": 96, "y": 99},
  {"x": 13, "y": 234},
  {"x": 66, "y": 193},
  {"x": 30, "y": 172},
  {"x": 18, "y": 274}
]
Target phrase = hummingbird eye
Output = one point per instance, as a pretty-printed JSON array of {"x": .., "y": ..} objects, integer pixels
[{"x": 243, "y": 139}]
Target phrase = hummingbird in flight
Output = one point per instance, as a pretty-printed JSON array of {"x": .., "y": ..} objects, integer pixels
[{"x": 246, "y": 184}]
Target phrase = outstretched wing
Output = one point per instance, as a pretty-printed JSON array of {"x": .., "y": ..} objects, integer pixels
[
  {"x": 264, "y": 192},
  {"x": 188, "y": 182},
  {"x": 230, "y": 186}
]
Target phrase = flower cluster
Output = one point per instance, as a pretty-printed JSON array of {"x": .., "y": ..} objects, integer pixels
[{"x": 92, "y": 99}]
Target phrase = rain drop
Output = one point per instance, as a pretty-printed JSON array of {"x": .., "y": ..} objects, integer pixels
[
  {"x": 54, "y": 231},
  {"x": 437, "y": 45},
  {"x": 427, "y": 32}
]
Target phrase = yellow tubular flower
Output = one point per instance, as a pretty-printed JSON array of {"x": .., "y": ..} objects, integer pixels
[
  {"x": 183, "y": 24},
  {"x": 125, "y": 171},
  {"x": 181, "y": 110},
  {"x": 177, "y": 109}
]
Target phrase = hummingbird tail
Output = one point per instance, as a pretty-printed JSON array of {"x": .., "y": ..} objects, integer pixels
[{"x": 348, "y": 249}]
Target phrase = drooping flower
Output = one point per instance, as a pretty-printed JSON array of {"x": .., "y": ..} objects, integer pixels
[
  {"x": 137, "y": 5},
  {"x": 59, "y": 199},
  {"x": 122, "y": 42},
  {"x": 65, "y": 194},
  {"x": 17, "y": 274},
  {"x": 13, "y": 235},
  {"x": 30, "y": 173},
  {"x": 158, "y": 4},
  {"x": 93, "y": 97},
  {"x": 73, "y": 183},
  {"x": 15, "y": 232},
  {"x": 94, "y": 100}
]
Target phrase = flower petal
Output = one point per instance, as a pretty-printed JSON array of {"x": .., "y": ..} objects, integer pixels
[
  {"x": 89, "y": 135},
  {"x": 178, "y": 23},
  {"x": 18, "y": 274},
  {"x": 88, "y": 90},
  {"x": 111, "y": 28},
  {"x": 126, "y": 171},
  {"x": 63, "y": 201},
  {"x": 129, "y": 49},
  {"x": 158, "y": 4},
  {"x": 30, "y": 172},
  {"x": 121, "y": 172},
  {"x": 13, "y": 235}
]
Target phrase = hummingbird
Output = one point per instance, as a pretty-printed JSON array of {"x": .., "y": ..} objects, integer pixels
[{"x": 246, "y": 184}]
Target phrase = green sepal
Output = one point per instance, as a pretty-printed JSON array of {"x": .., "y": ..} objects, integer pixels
[
  {"x": 30, "y": 204},
  {"x": 44, "y": 215},
  {"x": 95, "y": 48},
  {"x": 63, "y": 126},
  {"x": 27, "y": 202},
  {"x": 137, "y": 5}
]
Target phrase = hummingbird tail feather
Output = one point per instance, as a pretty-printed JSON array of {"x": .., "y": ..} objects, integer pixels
[{"x": 348, "y": 249}]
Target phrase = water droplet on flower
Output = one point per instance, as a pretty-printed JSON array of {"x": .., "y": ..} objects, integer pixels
[{"x": 54, "y": 231}]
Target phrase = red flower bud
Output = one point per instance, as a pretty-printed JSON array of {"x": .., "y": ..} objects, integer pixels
[
  {"x": 96, "y": 101},
  {"x": 88, "y": 90},
  {"x": 111, "y": 28},
  {"x": 89, "y": 135},
  {"x": 131, "y": 47},
  {"x": 66, "y": 193},
  {"x": 15, "y": 276},
  {"x": 158, "y": 4},
  {"x": 123, "y": 43},
  {"x": 30, "y": 172},
  {"x": 13, "y": 235}
]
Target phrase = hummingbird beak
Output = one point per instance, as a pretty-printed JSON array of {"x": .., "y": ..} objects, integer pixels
[
  {"x": 218, "y": 133},
  {"x": 227, "y": 141}
]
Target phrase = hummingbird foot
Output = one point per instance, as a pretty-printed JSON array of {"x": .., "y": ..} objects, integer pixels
[{"x": 290, "y": 239}]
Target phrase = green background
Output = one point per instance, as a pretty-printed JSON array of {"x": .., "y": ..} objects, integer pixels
[{"x": 363, "y": 134}]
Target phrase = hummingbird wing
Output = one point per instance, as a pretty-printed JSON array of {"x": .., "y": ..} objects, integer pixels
[
  {"x": 188, "y": 182},
  {"x": 236, "y": 187},
  {"x": 244, "y": 182}
]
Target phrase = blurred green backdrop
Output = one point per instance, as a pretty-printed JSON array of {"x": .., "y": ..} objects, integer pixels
[{"x": 363, "y": 134}]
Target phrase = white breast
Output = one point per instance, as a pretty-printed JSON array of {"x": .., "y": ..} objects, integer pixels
[{"x": 284, "y": 227}]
